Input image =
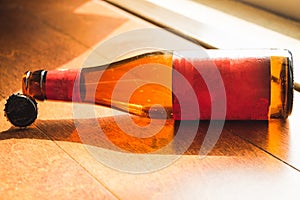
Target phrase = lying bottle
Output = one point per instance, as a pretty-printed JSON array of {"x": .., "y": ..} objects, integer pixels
[{"x": 257, "y": 85}]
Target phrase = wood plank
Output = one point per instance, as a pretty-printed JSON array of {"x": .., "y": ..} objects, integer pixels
[
  {"x": 55, "y": 159},
  {"x": 34, "y": 167},
  {"x": 279, "y": 138},
  {"x": 233, "y": 169},
  {"x": 34, "y": 35}
]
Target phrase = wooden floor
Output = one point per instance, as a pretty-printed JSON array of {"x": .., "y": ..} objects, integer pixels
[{"x": 54, "y": 159}]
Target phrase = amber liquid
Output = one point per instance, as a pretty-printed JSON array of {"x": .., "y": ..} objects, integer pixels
[{"x": 140, "y": 85}]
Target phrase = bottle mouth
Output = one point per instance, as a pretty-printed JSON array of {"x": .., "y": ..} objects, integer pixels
[
  {"x": 25, "y": 82},
  {"x": 33, "y": 84}
]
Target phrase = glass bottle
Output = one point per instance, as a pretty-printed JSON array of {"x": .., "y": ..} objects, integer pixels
[{"x": 258, "y": 84}]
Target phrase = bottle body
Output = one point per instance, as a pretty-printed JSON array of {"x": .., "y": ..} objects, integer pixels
[{"x": 258, "y": 85}]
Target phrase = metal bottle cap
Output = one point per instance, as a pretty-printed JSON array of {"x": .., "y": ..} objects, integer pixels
[{"x": 21, "y": 110}]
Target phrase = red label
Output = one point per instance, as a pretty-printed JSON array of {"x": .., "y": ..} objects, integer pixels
[{"x": 246, "y": 84}]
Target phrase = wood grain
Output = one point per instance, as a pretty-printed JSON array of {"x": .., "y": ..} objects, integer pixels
[
  {"x": 232, "y": 164},
  {"x": 45, "y": 34},
  {"x": 34, "y": 167},
  {"x": 94, "y": 158},
  {"x": 278, "y": 138}
]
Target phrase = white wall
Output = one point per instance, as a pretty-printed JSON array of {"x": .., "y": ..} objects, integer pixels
[{"x": 288, "y": 8}]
